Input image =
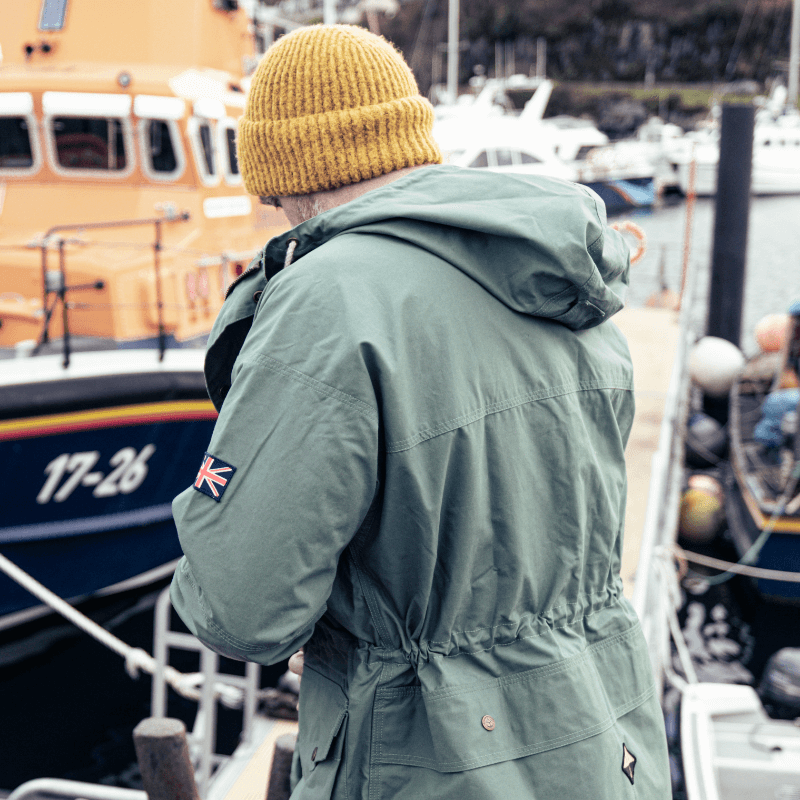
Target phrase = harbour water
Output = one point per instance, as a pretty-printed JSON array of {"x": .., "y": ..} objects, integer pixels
[
  {"x": 69, "y": 710},
  {"x": 773, "y": 255}
]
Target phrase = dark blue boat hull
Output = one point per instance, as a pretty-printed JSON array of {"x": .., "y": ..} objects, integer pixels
[
  {"x": 623, "y": 195},
  {"x": 87, "y": 490}
]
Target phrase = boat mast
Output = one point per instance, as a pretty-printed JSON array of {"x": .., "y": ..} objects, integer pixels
[
  {"x": 794, "y": 57},
  {"x": 452, "y": 49}
]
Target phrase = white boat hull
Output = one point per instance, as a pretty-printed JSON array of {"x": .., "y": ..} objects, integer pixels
[
  {"x": 732, "y": 750},
  {"x": 776, "y": 164}
]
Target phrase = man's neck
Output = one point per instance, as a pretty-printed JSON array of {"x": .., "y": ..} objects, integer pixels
[{"x": 299, "y": 208}]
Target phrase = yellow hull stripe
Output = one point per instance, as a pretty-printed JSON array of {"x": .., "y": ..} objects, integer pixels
[{"x": 120, "y": 416}]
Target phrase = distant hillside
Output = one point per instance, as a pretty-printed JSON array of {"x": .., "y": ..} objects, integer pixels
[{"x": 601, "y": 40}]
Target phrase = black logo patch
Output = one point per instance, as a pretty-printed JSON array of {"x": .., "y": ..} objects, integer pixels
[{"x": 628, "y": 763}]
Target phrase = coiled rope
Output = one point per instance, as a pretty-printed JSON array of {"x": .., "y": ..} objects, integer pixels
[{"x": 136, "y": 659}]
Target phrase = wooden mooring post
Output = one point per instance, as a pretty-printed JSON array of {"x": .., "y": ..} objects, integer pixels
[
  {"x": 279, "y": 777},
  {"x": 163, "y": 755}
]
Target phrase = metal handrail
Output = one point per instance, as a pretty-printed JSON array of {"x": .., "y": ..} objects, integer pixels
[
  {"x": 47, "y": 788},
  {"x": 61, "y": 289},
  {"x": 202, "y": 738}
]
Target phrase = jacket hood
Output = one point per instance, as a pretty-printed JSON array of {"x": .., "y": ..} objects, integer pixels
[{"x": 539, "y": 245}]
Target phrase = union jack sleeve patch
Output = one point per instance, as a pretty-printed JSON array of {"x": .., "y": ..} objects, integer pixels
[{"x": 213, "y": 477}]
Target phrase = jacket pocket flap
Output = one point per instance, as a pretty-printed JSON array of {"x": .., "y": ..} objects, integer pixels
[
  {"x": 468, "y": 726},
  {"x": 323, "y": 707}
]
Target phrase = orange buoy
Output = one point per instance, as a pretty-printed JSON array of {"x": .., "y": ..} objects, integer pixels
[
  {"x": 771, "y": 331},
  {"x": 788, "y": 379}
]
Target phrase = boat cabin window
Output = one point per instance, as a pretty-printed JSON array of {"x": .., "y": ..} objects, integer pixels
[
  {"x": 481, "y": 160},
  {"x": 230, "y": 162},
  {"x": 230, "y": 138},
  {"x": 162, "y": 156},
  {"x": 160, "y": 150},
  {"x": 504, "y": 158},
  {"x": 89, "y": 143},
  {"x": 204, "y": 131},
  {"x": 527, "y": 158},
  {"x": 203, "y": 136},
  {"x": 16, "y": 152},
  {"x": 51, "y": 17}
]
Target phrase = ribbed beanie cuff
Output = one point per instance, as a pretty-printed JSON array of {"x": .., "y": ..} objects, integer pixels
[{"x": 331, "y": 105}]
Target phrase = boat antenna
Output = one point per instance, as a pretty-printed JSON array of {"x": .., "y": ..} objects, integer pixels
[{"x": 794, "y": 57}]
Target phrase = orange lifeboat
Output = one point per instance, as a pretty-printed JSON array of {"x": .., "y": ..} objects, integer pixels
[
  {"x": 122, "y": 222},
  {"x": 122, "y": 212}
]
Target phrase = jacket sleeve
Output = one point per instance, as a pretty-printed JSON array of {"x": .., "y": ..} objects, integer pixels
[{"x": 259, "y": 562}]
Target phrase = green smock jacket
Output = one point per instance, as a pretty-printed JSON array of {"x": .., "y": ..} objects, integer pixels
[{"x": 419, "y": 464}]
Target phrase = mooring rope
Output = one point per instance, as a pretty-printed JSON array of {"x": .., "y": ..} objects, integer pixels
[
  {"x": 737, "y": 569},
  {"x": 136, "y": 659},
  {"x": 742, "y": 567}
]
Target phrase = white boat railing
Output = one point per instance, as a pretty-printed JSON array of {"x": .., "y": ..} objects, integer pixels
[
  {"x": 49, "y": 788},
  {"x": 207, "y": 687},
  {"x": 214, "y": 686}
]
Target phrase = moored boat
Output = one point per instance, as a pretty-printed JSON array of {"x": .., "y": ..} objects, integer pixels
[
  {"x": 764, "y": 485},
  {"x": 726, "y": 659},
  {"x": 776, "y": 151},
  {"x": 122, "y": 224},
  {"x": 98, "y": 452},
  {"x": 776, "y": 159},
  {"x": 567, "y": 148}
]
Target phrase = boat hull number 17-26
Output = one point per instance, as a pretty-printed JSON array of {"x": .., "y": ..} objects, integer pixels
[{"x": 129, "y": 470}]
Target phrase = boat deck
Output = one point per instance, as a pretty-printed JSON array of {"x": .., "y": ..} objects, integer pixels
[{"x": 246, "y": 775}]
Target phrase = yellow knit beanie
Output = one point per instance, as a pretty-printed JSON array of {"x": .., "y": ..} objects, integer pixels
[{"x": 331, "y": 105}]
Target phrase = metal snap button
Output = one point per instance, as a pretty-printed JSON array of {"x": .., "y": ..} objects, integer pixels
[
  {"x": 488, "y": 722},
  {"x": 314, "y": 755},
  {"x": 257, "y": 296}
]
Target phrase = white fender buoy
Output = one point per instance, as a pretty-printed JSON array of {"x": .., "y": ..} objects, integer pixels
[{"x": 714, "y": 364}]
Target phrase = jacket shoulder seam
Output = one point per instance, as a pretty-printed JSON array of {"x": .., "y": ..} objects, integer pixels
[
  {"x": 622, "y": 384},
  {"x": 324, "y": 389}
]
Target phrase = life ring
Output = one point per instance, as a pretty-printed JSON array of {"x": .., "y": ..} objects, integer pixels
[{"x": 631, "y": 227}]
